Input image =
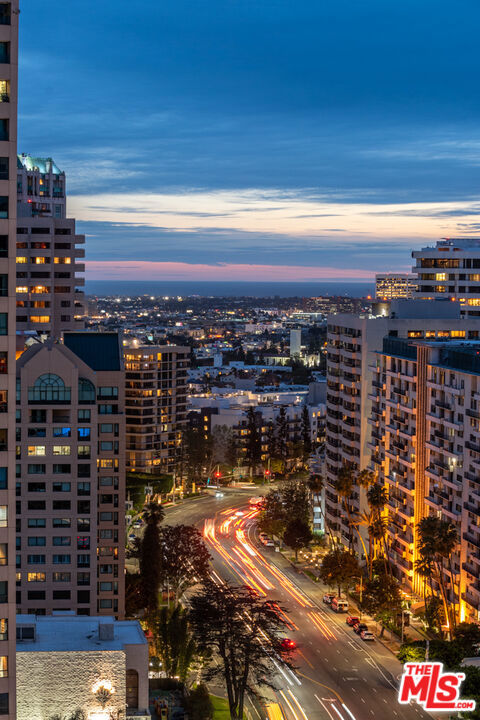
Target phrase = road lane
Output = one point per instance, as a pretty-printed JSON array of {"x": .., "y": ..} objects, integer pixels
[{"x": 339, "y": 676}]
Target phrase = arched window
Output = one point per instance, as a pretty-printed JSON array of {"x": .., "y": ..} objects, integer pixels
[
  {"x": 132, "y": 689},
  {"x": 86, "y": 391},
  {"x": 49, "y": 388}
]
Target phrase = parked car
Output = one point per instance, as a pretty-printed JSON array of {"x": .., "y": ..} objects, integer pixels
[
  {"x": 132, "y": 536},
  {"x": 137, "y": 524},
  {"x": 352, "y": 620},
  {"x": 328, "y": 597},
  {"x": 288, "y": 644},
  {"x": 219, "y": 494},
  {"x": 367, "y": 636},
  {"x": 339, "y": 605},
  {"x": 360, "y": 627}
]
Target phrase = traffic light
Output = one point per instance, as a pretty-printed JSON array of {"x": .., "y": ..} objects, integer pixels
[
  {"x": 267, "y": 473},
  {"x": 218, "y": 474}
]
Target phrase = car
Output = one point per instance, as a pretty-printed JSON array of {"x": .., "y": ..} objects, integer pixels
[
  {"x": 359, "y": 628},
  {"x": 132, "y": 536},
  {"x": 367, "y": 636},
  {"x": 219, "y": 494},
  {"x": 288, "y": 644},
  {"x": 239, "y": 513},
  {"x": 268, "y": 542},
  {"x": 328, "y": 597},
  {"x": 352, "y": 620},
  {"x": 137, "y": 524}
]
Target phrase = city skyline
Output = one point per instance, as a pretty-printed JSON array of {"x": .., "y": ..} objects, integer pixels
[{"x": 255, "y": 141}]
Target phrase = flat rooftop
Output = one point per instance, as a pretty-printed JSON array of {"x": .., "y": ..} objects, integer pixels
[{"x": 68, "y": 632}]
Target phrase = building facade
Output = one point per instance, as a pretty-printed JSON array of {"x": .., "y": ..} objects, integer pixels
[
  {"x": 9, "y": 12},
  {"x": 426, "y": 452},
  {"x": 66, "y": 663},
  {"x": 71, "y": 476},
  {"x": 450, "y": 270},
  {"x": 155, "y": 405},
  {"x": 49, "y": 281},
  {"x": 394, "y": 286},
  {"x": 351, "y": 424}
]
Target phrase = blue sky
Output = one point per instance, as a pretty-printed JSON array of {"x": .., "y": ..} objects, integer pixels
[{"x": 256, "y": 138}]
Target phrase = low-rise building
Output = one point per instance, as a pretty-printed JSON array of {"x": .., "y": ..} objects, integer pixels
[{"x": 67, "y": 663}]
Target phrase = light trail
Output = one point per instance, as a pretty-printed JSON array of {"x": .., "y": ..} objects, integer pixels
[
  {"x": 274, "y": 712},
  {"x": 298, "y": 704},
  {"x": 321, "y": 625}
]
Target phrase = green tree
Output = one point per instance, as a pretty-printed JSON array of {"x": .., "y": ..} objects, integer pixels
[
  {"x": 173, "y": 641},
  {"x": 339, "y": 568},
  {"x": 467, "y": 635},
  {"x": 272, "y": 518},
  {"x": 253, "y": 453},
  {"x": 150, "y": 556},
  {"x": 199, "y": 705},
  {"x": 382, "y": 598},
  {"x": 471, "y": 690},
  {"x": 297, "y": 535},
  {"x": 183, "y": 559},
  {"x": 234, "y": 623},
  {"x": 437, "y": 540}
]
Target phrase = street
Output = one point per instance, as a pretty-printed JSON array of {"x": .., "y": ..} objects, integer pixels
[{"x": 338, "y": 675}]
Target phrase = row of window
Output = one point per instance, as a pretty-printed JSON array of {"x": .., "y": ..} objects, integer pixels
[
  {"x": 83, "y": 470},
  {"x": 83, "y": 433},
  {"x": 83, "y": 542}
]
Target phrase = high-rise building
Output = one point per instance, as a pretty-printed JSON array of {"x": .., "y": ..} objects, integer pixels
[
  {"x": 426, "y": 450},
  {"x": 295, "y": 342},
  {"x": 8, "y": 224},
  {"x": 352, "y": 344},
  {"x": 394, "y": 286},
  {"x": 450, "y": 270},
  {"x": 155, "y": 405},
  {"x": 71, "y": 476},
  {"x": 49, "y": 295}
]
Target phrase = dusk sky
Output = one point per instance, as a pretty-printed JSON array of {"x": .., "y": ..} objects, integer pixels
[{"x": 256, "y": 139}]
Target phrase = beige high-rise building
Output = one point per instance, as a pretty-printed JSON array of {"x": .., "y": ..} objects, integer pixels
[
  {"x": 426, "y": 449},
  {"x": 8, "y": 224},
  {"x": 394, "y": 286},
  {"x": 450, "y": 270},
  {"x": 50, "y": 298},
  {"x": 71, "y": 476},
  {"x": 352, "y": 389},
  {"x": 155, "y": 405}
]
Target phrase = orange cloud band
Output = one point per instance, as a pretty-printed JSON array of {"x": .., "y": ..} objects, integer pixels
[{"x": 145, "y": 270}]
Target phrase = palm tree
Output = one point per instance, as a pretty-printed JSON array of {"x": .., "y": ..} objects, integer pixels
[
  {"x": 344, "y": 485},
  {"x": 153, "y": 513},
  {"x": 377, "y": 497},
  {"x": 437, "y": 540}
]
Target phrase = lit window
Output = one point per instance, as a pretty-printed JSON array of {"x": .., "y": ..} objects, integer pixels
[
  {"x": 40, "y": 260},
  {"x": 62, "y": 261},
  {"x": 36, "y": 577},
  {"x": 61, "y": 449},
  {"x": 40, "y": 318},
  {"x": 21, "y": 260},
  {"x": 39, "y": 289},
  {"x": 441, "y": 277},
  {"x": 473, "y": 301},
  {"x": 36, "y": 450},
  {"x": 3, "y": 666},
  {"x": 21, "y": 289},
  {"x": 3, "y": 515}
]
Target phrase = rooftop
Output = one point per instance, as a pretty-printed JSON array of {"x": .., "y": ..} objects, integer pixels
[
  {"x": 100, "y": 351},
  {"x": 43, "y": 165},
  {"x": 68, "y": 632}
]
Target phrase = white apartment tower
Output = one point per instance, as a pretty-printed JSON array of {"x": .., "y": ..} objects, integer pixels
[
  {"x": 450, "y": 270},
  {"x": 49, "y": 295},
  {"x": 352, "y": 390},
  {"x": 426, "y": 449},
  {"x": 9, "y": 12}
]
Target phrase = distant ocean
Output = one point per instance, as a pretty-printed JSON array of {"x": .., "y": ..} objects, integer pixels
[{"x": 229, "y": 289}]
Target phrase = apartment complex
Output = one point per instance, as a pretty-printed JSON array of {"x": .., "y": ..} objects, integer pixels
[
  {"x": 426, "y": 450},
  {"x": 8, "y": 211},
  {"x": 352, "y": 342},
  {"x": 71, "y": 476},
  {"x": 450, "y": 269},
  {"x": 155, "y": 405},
  {"x": 49, "y": 295},
  {"x": 394, "y": 286}
]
